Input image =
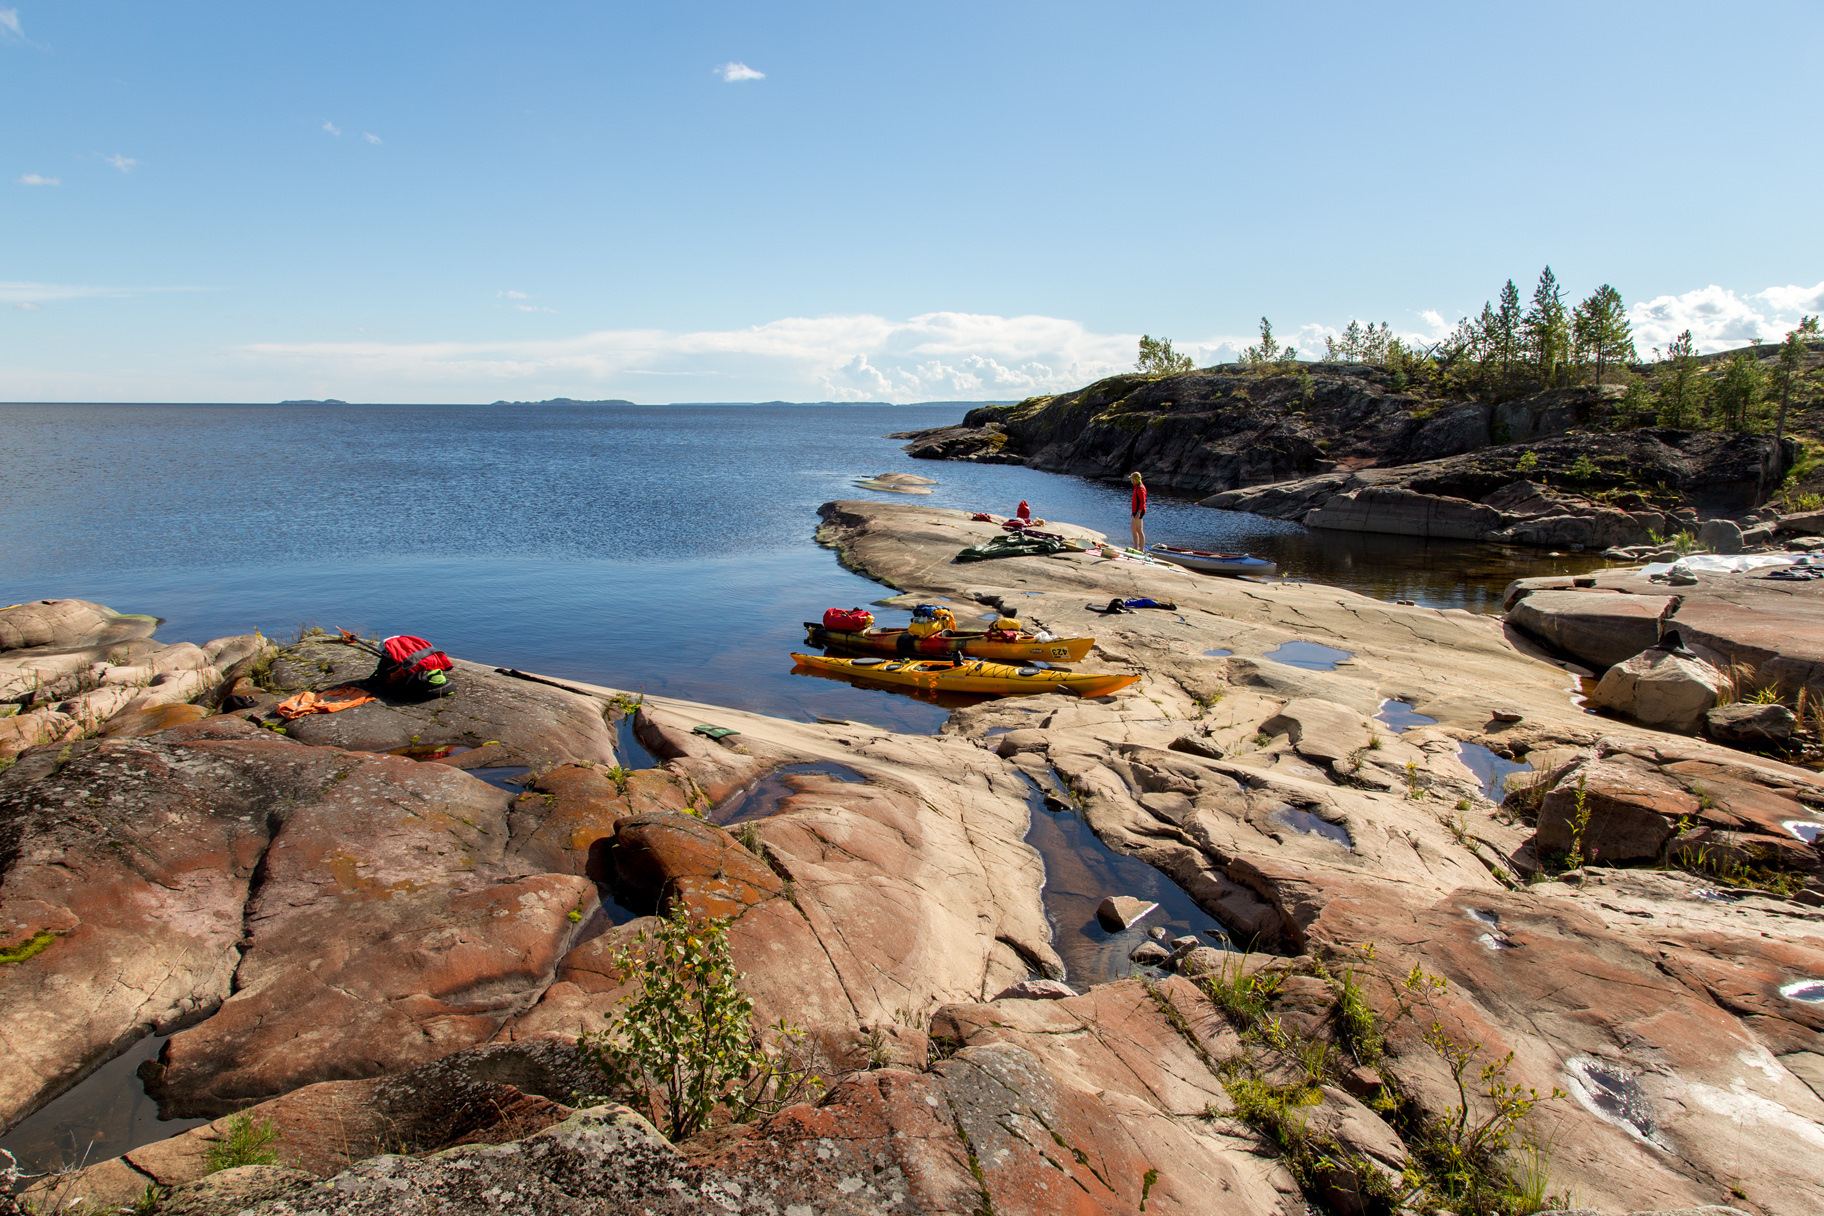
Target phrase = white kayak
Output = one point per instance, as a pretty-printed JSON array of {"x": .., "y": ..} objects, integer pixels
[{"x": 1215, "y": 563}]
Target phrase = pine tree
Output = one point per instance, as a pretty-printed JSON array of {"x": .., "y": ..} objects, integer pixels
[
  {"x": 1267, "y": 351},
  {"x": 1601, "y": 330},
  {"x": 1507, "y": 329},
  {"x": 1547, "y": 328},
  {"x": 1346, "y": 347},
  {"x": 1792, "y": 358},
  {"x": 1740, "y": 390},
  {"x": 1680, "y": 390}
]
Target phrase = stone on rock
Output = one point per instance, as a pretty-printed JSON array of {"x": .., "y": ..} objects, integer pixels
[
  {"x": 1198, "y": 745},
  {"x": 1594, "y": 626},
  {"x": 1037, "y": 990},
  {"x": 1657, "y": 688},
  {"x": 1203, "y": 960},
  {"x": 1748, "y": 723},
  {"x": 1149, "y": 954},
  {"x": 1720, "y": 536},
  {"x": 1629, "y": 811},
  {"x": 1117, "y": 912}
]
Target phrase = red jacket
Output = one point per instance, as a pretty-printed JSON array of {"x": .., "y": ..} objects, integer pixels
[{"x": 1139, "y": 507}]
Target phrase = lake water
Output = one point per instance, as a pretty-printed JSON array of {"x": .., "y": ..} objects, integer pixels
[{"x": 664, "y": 548}]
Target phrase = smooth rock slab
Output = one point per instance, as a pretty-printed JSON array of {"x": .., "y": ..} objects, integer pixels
[{"x": 1597, "y": 627}]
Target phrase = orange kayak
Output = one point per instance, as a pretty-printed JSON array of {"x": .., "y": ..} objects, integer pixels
[{"x": 900, "y": 642}]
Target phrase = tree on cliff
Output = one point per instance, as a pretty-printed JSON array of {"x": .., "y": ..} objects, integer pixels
[
  {"x": 1157, "y": 358},
  {"x": 1267, "y": 351},
  {"x": 1355, "y": 344},
  {"x": 1680, "y": 389},
  {"x": 1742, "y": 385},
  {"x": 1505, "y": 336},
  {"x": 1601, "y": 331},
  {"x": 1792, "y": 358},
  {"x": 1547, "y": 329}
]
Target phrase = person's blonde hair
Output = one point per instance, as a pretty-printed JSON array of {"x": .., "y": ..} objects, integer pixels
[{"x": 1134, "y": 477}]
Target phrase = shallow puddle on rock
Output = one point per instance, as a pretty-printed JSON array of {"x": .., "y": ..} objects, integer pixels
[
  {"x": 510, "y": 778},
  {"x": 1400, "y": 716},
  {"x": 104, "y": 1115},
  {"x": 1611, "y": 1092},
  {"x": 1304, "y": 821},
  {"x": 1312, "y": 656},
  {"x": 1491, "y": 770},
  {"x": 628, "y": 749},
  {"x": 764, "y": 796},
  {"x": 1804, "y": 829},
  {"x": 1218, "y": 653},
  {"x": 1809, "y": 991},
  {"x": 1080, "y": 872}
]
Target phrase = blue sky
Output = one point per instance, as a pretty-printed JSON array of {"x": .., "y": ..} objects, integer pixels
[{"x": 457, "y": 202}]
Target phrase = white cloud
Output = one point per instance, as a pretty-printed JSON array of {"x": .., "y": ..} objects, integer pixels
[
  {"x": 332, "y": 128},
  {"x": 533, "y": 308},
  {"x": 515, "y": 295},
  {"x": 733, "y": 72},
  {"x": 34, "y": 179},
  {"x": 370, "y": 137},
  {"x": 123, "y": 163},
  {"x": 1719, "y": 319},
  {"x": 845, "y": 358},
  {"x": 28, "y": 306},
  {"x": 18, "y": 292},
  {"x": 9, "y": 21}
]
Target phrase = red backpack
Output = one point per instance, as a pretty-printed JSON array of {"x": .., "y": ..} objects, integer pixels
[{"x": 413, "y": 666}]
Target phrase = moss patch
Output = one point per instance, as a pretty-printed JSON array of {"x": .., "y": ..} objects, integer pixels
[{"x": 38, "y": 943}]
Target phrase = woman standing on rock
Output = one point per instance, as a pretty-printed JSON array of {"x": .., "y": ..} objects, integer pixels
[{"x": 1139, "y": 511}]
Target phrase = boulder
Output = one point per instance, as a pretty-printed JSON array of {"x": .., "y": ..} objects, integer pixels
[
  {"x": 1745, "y": 723},
  {"x": 1657, "y": 688},
  {"x": 1598, "y": 628},
  {"x": 1630, "y": 811},
  {"x": 1117, "y": 912},
  {"x": 1149, "y": 954},
  {"x": 1720, "y": 536}
]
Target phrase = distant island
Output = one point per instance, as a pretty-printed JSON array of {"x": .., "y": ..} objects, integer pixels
[
  {"x": 325, "y": 401},
  {"x": 617, "y": 401}
]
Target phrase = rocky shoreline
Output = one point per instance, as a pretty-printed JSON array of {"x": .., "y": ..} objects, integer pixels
[
  {"x": 387, "y": 957},
  {"x": 1338, "y": 446}
]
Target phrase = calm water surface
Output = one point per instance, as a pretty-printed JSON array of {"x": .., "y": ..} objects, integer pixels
[{"x": 665, "y": 548}]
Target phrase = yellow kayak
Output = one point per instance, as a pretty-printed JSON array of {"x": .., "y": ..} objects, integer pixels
[{"x": 970, "y": 676}]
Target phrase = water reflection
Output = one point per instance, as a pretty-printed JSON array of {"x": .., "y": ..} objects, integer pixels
[
  {"x": 102, "y": 1116},
  {"x": 1081, "y": 871}
]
